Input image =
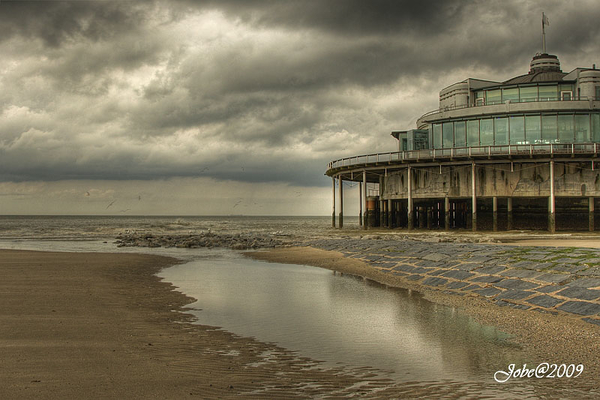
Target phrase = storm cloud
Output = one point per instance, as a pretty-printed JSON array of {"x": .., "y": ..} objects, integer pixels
[{"x": 256, "y": 91}]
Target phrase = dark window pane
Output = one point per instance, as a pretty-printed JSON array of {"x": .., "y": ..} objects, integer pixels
[
  {"x": 486, "y": 132},
  {"x": 501, "y": 134},
  {"x": 448, "y": 134},
  {"x": 437, "y": 136},
  {"x": 533, "y": 129},
  {"x": 473, "y": 133},
  {"x": 566, "y": 131},
  {"x": 528, "y": 93},
  {"x": 460, "y": 134},
  {"x": 548, "y": 93},
  {"x": 517, "y": 130},
  {"x": 582, "y": 128}
]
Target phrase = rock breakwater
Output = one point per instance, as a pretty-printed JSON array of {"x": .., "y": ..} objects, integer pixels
[{"x": 206, "y": 239}]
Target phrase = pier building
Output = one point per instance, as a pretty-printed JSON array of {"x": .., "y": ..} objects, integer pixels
[{"x": 517, "y": 154}]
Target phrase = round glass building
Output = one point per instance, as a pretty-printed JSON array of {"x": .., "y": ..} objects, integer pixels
[{"x": 517, "y": 154}]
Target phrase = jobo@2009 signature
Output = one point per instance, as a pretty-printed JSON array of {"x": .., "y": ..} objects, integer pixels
[{"x": 543, "y": 370}]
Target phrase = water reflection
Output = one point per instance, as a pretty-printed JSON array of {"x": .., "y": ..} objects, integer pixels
[{"x": 335, "y": 318}]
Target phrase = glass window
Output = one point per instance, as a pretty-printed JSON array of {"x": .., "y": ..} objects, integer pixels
[
  {"x": 448, "y": 134},
  {"x": 473, "y": 133},
  {"x": 597, "y": 93},
  {"x": 437, "y": 136},
  {"x": 486, "y": 132},
  {"x": 528, "y": 93},
  {"x": 501, "y": 134},
  {"x": 479, "y": 98},
  {"x": 596, "y": 127},
  {"x": 460, "y": 134},
  {"x": 582, "y": 128},
  {"x": 548, "y": 93},
  {"x": 533, "y": 129},
  {"x": 565, "y": 87},
  {"x": 511, "y": 94},
  {"x": 493, "y": 97},
  {"x": 517, "y": 130},
  {"x": 549, "y": 128},
  {"x": 566, "y": 130}
]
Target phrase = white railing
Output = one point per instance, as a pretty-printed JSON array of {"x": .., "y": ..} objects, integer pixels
[{"x": 461, "y": 152}]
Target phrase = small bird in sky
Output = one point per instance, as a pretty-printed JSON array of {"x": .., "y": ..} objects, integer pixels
[
  {"x": 237, "y": 204},
  {"x": 113, "y": 202},
  {"x": 87, "y": 194}
]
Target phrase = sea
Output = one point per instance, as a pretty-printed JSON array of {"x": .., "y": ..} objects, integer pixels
[{"x": 335, "y": 319}]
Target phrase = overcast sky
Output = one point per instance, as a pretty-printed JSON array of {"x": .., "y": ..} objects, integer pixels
[{"x": 236, "y": 106}]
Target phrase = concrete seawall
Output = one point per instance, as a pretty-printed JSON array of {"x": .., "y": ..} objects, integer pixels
[{"x": 545, "y": 279}]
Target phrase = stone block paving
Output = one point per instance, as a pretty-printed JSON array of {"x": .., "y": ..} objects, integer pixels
[{"x": 546, "y": 279}]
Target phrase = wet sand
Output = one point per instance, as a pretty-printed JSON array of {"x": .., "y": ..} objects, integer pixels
[{"x": 76, "y": 325}]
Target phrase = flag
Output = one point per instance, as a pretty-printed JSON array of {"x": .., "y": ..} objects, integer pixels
[{"x": 545, "y": 20}]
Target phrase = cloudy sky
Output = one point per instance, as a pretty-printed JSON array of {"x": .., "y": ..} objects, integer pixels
[{"x": 236, "y": 106}]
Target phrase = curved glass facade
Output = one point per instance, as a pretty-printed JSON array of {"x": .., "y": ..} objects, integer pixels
[
  {"x": 525, "y": 93},
  {"x": 517, "y": 129}
]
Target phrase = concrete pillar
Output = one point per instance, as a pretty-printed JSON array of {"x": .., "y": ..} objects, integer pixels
[
  {"x": 495, "y": 213},
  {"x": 390, "y": 214},
  {"x": 474, "y": 199},
  {"x": 360, "y": 205},
  {"x": 381, "y": 214},
  {"x": 551, "y": 202},
  {"x": 509, "y": 222},
  {"x": 447, "y": 213},
  {"x": 429, "y": 216},
  {"x": 591, "y": 204},
  {"x": 409, "y": 211},
  {"x": 341, "y": 194},
  {"x": 422, "y": 217},
  {"x": 333, "y": 211},
  {"x": 364, "y": 195}
]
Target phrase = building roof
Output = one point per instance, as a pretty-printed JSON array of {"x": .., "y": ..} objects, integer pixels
[
  {"x": 543, "y": 68},
  {"x": 540, "y": 76}
]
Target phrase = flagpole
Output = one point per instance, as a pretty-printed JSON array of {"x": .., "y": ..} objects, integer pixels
[{"x": 543, "y": 34}]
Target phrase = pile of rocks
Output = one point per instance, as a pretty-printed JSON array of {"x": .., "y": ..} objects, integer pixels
[{"x": 206, "y": 239}]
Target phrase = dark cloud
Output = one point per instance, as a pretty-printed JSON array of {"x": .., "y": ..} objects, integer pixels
[
  {"x": 55, "y": 22},
  {"x": 345, "y": 17},
  {"x": 249, "y": 90}
]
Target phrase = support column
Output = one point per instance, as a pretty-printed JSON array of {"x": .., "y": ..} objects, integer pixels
[
  {"x": 390, "y": 213},
  {"x": 381, "y": 214},
  {"x": 495, "y": 213},
  {"x": 341, "y": 217},
  {"x": 333, "y": 206},
  {"x": 509, "y": 222},
  {"x": 364, "y": 195},
  {"x": 447, "y": 213},
  {"x": 360, "y": 205},
  {"x": 474, "y": 199},
  {"x": 429, "y": 212},
  {"x": 591, "y": 204},
  {"x": 409, "y": 211},
  {"x": 551, "y": 202}
]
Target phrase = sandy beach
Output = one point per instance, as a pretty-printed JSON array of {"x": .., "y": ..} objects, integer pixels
[{"x": 77, "y": 325}]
